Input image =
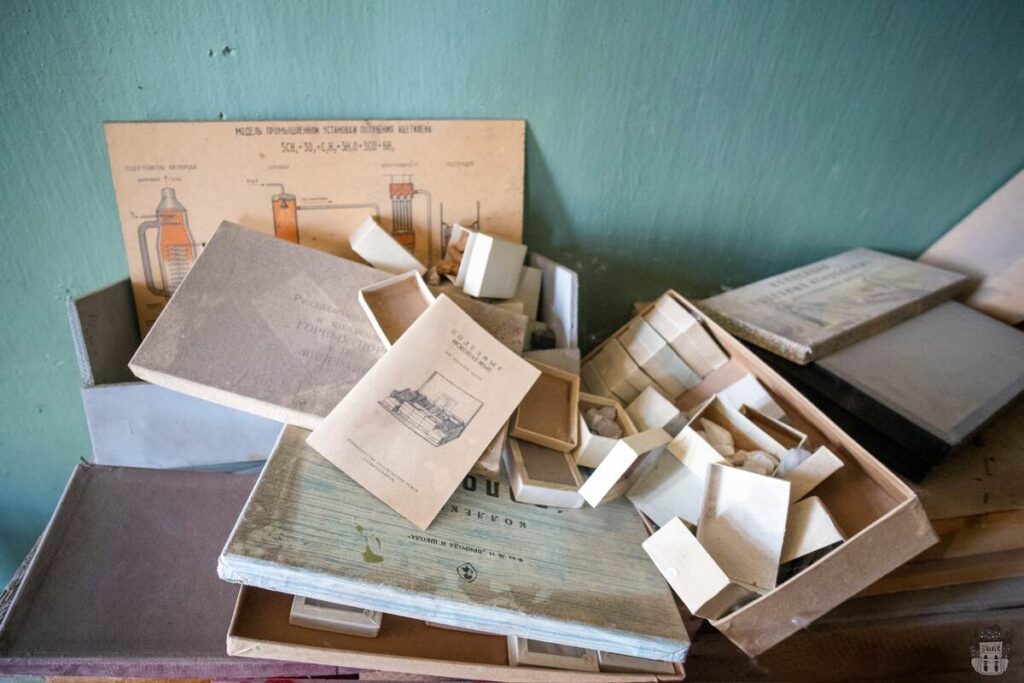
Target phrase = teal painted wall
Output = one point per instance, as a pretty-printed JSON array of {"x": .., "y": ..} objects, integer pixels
[{"x": 684, "y": 144}]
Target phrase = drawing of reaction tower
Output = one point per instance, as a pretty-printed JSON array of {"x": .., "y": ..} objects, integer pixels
[
  {"x": 285, "y": 209},
  {"x": 174, "y": 246}
]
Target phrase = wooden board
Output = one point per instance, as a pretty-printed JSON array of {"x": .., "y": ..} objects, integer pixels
[
  {"x": 486, "y": 563},
  {"x": 812, "y": 311},
  {"x": 285, "y": 339}
]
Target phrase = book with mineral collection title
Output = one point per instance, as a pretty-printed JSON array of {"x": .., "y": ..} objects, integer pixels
[{"x": 412, "y": 428}]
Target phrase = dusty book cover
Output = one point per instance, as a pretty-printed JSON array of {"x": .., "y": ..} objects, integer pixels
[
  {"x": 264, "y": 326},
  {"x": 486, "y": 563},
  {"x": 307, "y": 182},
  {"x": 812, "y": 311},
  {"x": 415, "y": 424}
]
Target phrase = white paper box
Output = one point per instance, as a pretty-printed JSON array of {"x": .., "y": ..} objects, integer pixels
[
  {"x": 811, "y": 472},
  {"x": 329, "y": 616},
  {"x": 616, "y": 663},
  {"x": 625, "y": 455},
  {"x": 743, "y": 524},
  {"x": 692, "y": 573},
  {"x": 686, "y": 336},
  {"x": 809, "y": 527},
  {"x": 620, "y": 373},
  {"x": 528, "y": 291},
  {"x": 382, "y": 251},
  {"x": 541, "y": 476},
  {"x": 394, "y": 304},
  {"x": 667, "y": 490},
  {"x": 650, "y": 409},
  {"x": 526, "y": 652},
  {"x": 748, "y": 391},
  {"x": 657, "y": 359},
  {"x": 492, "y": 267},
  {"x": 594, "y": 448}
]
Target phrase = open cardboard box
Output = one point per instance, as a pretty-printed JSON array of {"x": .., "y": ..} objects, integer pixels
[
  {"x": 394, "y": 304},
  {"x": 138, "y": 424},
  {"x": 260, "y": 628},
  {"x": 884, "y": 521},
  {"x": 593, "y": 448}
]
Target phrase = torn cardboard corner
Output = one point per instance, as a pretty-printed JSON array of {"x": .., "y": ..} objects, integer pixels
[
  {"x": 415, "y": 424},
  {"x": 382, "y": 251}
]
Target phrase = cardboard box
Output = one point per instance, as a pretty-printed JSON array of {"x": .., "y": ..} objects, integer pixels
[
  {"x": 685, "y": 335},
  {"x": 137, "y": 424},
  {"x": 611, "y": 478},
  {"x": 549, "y": 414},
  {"x": 541, "y": 476},
  {"x": 526, "y": 652},
  {"x": 618, "y": 371},
  {"x": 593, "y": 448},
  {"x": 260, "y": 629},
  {"x": 650, "y": 409},
  {"x": 882, "y": 516},
  {"x": 394, "y": 304}
]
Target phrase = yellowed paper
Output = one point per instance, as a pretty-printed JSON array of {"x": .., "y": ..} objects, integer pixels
[
  {"x": 416, "y": 423},
  {"x": 310, "y": 182}
]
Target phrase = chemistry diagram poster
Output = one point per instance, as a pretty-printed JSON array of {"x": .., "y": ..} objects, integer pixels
[{"x": 309, "y": 182}]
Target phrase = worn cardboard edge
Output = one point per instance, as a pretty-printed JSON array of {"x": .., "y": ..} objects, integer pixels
[
  {"x": 238, "y": 646},
  {"x": 267, "y": 575}
]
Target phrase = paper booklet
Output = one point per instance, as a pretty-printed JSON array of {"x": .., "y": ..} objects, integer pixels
[{"x": 413, "y": 426}]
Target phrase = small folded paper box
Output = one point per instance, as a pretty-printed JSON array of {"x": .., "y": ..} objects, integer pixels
[
  {"x": 787, "y": 435},
  {"x": 617, "y": 371},
  {"x": 650, "y": 409},
  {"x": 541, "y": 476},
  {"x": 491, "y": 267},
  {"x": 526, "y": 652},
  {"x": 381, "y": 250},
  {"x": 593, "y": 448},
  {"x": 394, "y": 304},
  {"x": 549, "y": 414},
  {"x": 606, "y": 482},
  {"x": 656, "y": 358},
  {"x": 681, "y": 329},
  {"x": 873, "y": 506}
]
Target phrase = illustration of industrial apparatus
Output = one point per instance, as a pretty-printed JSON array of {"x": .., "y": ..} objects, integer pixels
[
  {"x": 438, "y": 411},
  {"x": 176, "y": 251},
  {"x": 285, "y": 210}
]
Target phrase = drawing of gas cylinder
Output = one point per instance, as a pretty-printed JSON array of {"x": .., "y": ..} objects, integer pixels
[
  {"x": 286, "y": 216},
  {"x": 174, "y": 245}
]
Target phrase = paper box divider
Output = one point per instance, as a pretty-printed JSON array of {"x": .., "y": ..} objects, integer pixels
[
  {"x": 259, "y": 628},
  {"x": 394, "y": 304},
  {"x": 787, "y": 435},
  {"x": 549, "y": 414},
  {"x": 871, "y": 504}
]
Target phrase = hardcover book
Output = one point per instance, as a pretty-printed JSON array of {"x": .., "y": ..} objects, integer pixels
[
  {"x": 486, "y": 563},
  {"x": 413, "y": 426},
  {"x": 815, "y": 310},
  {"x": 264, "y": 326}
]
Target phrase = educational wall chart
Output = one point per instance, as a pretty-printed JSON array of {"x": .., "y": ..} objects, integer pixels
[{"x": 309, "y": 182}]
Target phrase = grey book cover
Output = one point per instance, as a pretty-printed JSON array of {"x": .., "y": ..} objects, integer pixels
[
  {"x": 265, "y": 326},
  {"x": 488, "y": 563}
]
